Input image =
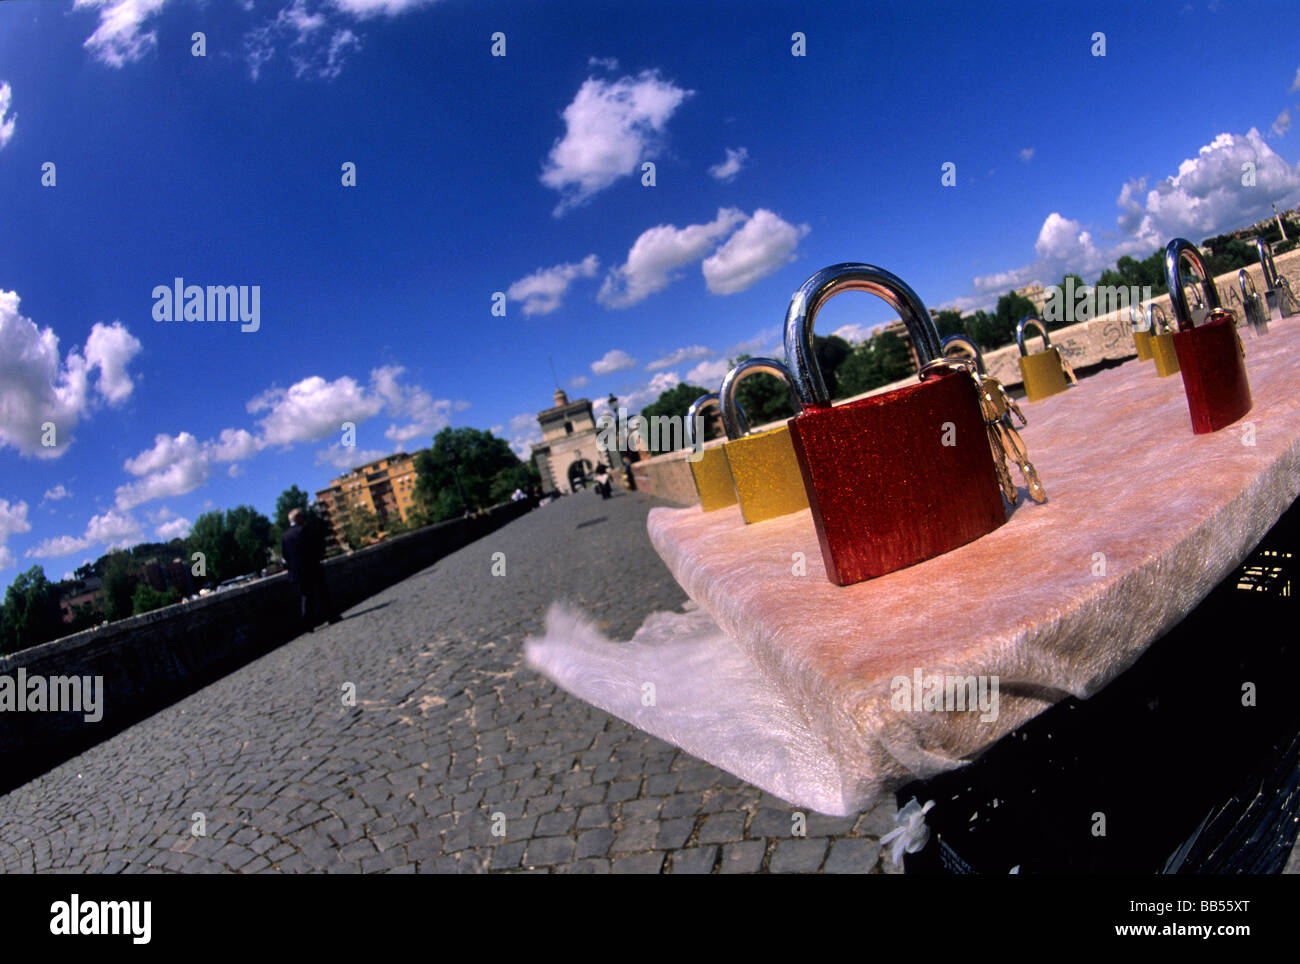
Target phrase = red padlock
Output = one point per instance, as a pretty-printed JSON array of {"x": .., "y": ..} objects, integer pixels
[
  {"x": 1210, "y": 355},
  {"x": 897, "y": 478}
]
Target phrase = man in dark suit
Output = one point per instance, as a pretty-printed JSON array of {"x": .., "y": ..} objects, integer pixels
[{"x": 303, "y": 548}]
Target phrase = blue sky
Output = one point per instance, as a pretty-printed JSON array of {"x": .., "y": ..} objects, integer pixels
[{"x": 523, "y": 175}]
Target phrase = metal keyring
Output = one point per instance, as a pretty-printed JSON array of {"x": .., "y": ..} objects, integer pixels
[{"x": 968, "y": 344}]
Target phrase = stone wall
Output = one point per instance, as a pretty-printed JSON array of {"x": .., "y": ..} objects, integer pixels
[
  {"x": 148, "y": 662},
  {"x": 1085, "y": 344}
]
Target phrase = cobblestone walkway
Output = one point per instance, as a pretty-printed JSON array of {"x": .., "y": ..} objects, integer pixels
[{"x": 450, "y": 734}]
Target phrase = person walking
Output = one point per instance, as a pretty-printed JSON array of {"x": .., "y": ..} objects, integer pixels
[{"x": 303, "y": 549}]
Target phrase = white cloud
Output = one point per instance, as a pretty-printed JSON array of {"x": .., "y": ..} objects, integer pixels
[
  {"x": 56, "y": 493},
  {"x": 317, "y": 41},
  {"x": 693, "y": 353},
  {"x": 524, "y": 431},
  {"x": 114, "y": 529},
  {"x": 13, "y": 520},
  {"x": 762, "y": 245},
  {"x": 348, "y": 458},
  {"x": 364, "y": 9},
  {"x": 614, "y": 360},
  {"x": 173, "y": 466},
  {"x": 1295, "y": 84},
  {"x": 1063, "y": 240},
  {"x": 312, "y": 409},
  {"x": 644, "y": 394},
  {"x": 658, "y": 253},
  {"x": 427, "y": 415},
  {"x": 37, "y": 387},
  {"x": 177, "y": 528},
  {"x": 6, "y": 126},
  {"x": 610, "y": 129},
  {"x": 578, "y": 381},
  {"x": 233, "y": 445},
  {"x": 855, "y": 332},
  {"x": 120, "y": 39},
  {"x": 542, "y": 291},
  {"x": 727, "y": 169},
  {"x": 709, "y": 374},
  {"x": 56, "y": 547},
  {"x": 110, "y": 348},
  {"x": 1027, "y": 154},
  {"x": 756, "y": 345},
  {"x": 1280, "y": 126},
  {"x": 1207, "y": 196},
  {"x": 608, "y": 63}
]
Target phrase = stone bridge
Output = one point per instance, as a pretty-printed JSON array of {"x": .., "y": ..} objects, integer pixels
[{"x": 450, "y": 733}]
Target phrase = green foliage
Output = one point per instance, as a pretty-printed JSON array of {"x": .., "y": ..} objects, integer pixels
[
  {"x": 291, "y": 498},
  {"x": 146, "y": 599},
  {"x": 30, "y": 615},
  {"x": 121, "y": 575},
  {"x": 474, "y": 456},
  {"x": 234, "y": 542},
  {"x": 765, "y": 398},
  {"x": 358, "y": 525},
  {"x": 880, "y": 360},
  {"x": 831, "y": 352},
  {"x": 949, "y": 322},
  {"x": 674, "y": 403},
  {"x": 519, "y": 476}
]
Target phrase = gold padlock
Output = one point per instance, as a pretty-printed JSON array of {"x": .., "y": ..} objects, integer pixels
[
  {"x": 709, "y": 466},
  {"x": 1162, "y": 344},
  {"x": 1140, "y": 319},
  {"x": 764, "y": 467},
  {"x": 1043, "y": 373}
]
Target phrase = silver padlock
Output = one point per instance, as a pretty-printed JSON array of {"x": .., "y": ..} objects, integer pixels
[
  {"x": 1252, "y": 304},
  {"x": 1278, "y": 298}
]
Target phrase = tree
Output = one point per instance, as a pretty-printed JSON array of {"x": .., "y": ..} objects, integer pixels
[
  {"x": 880, "y": 360},
  {"x": 233, "y": 543},
  {"x": 671, "y": 404},
  {"x": 31, "y": 613},
  {"x": 358, "y": 524},
  {"x": 291, "y": 498},
  {"x": 831, "y": 351},
  {"x": 146, "y": 599},
  {"x": 468, "y": 455},
  {"x": 948, "y": 322},
  {"x": 121, "y": 575}
]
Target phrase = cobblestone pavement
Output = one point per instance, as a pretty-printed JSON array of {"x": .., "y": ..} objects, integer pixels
[{"x": 449, "y": 728}]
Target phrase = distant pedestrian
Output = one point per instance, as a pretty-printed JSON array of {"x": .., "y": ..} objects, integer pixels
[{"x": 303, "y": 548}]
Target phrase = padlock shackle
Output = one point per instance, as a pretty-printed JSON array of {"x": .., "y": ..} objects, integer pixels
[
  {"x": 1244, "y": 282},
  {"x": 1175, "y": 252},
  {"x": 1020, "y": 333},
  {"x": 967, "y": 344},
  {"x": 698, "y": 408},
  {"x": 1266, "y": 263},
  {"x": 1164, "y": 319},
  {"x": 733, "y": 416},
  {"x": 824, "y": 285}
]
